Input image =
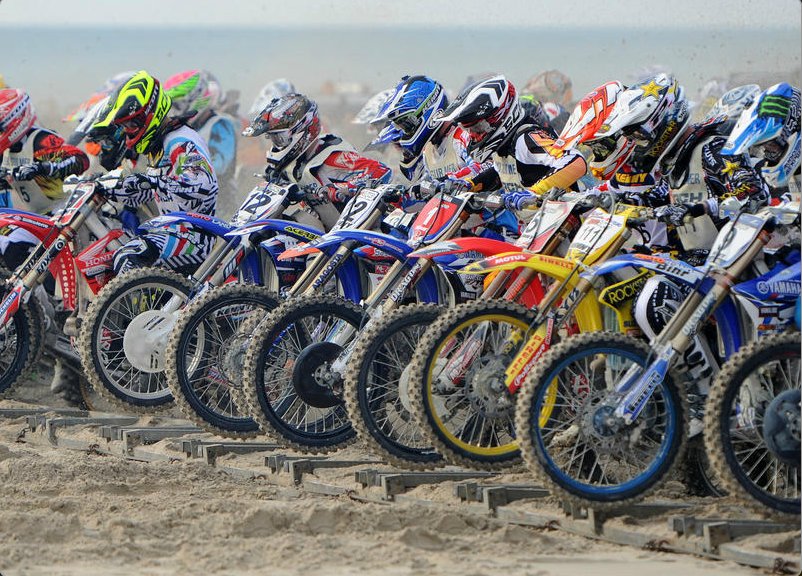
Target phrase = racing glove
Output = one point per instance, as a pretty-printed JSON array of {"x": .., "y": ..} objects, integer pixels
[
  {"x": 32, "y": 170},
  {"x": 518, "y": 199}
]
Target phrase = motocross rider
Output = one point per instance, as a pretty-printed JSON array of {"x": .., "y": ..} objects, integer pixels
[
  {"x": 301, "y": 154},
  {"x": 180, "y": 175},
  {"x": 432, "y": 151},
  {"x": 499, "y": 130},
  {"x": 199, "y": 92},
  {"x": 38, "y": 160}
]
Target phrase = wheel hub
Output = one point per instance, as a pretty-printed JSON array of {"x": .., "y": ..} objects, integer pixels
[
  {"x": 146, "y": 338},
  {"x": 312, "y": 376},
  {"x": 781, "y": 427},
  {"x": 486, "y": 390}
]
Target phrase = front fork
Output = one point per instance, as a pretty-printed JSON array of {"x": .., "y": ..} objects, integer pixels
[
  {"x": 387, "y": 296},
  {"x": 638, "y": 385}
]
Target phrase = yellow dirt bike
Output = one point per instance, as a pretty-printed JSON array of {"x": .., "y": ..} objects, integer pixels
[{"x": 469, "y": 365}]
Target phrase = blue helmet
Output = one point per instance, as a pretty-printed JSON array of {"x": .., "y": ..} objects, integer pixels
[
  {"x": 410, "y": 111},
  {"x": 772, "y": 121}
]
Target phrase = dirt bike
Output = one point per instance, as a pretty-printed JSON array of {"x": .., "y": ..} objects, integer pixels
[
  {"x": 376, "y": 382},
  {"x": 469, "y": 365},
  {"x": 603, "y": 417},
  {"x": 205, "y": 349},
  {"x": 124, "y": 334},
  {"x": 295, "y": 362},
  {"x": 80, "y": 267}
]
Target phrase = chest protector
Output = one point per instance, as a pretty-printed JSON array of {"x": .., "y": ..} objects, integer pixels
[
  {"x": 440, "y": 159},
  {"x": 39, "y": 195},
  {"x": 302, "y": 171}
]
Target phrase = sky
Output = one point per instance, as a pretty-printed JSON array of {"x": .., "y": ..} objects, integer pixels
[{"x": 637, "y": 14}]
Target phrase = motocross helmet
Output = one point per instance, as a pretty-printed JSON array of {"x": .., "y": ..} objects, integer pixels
[
  {"x": 274, "y": 89},
  {"x": 607, "y": 153},
  {"x": 770, "y": 127},
  {"x": 17, "y": 116},
  {"x": 290, "y": 123},
  {"x": 729, "y": 106},
  {"x": 371, "y": 108},
  {"x": 588, "y": 116},
  {"x": 193, "y": 91},
  {"x": 489, "y": 111},
  {"x": 412, "y": 107},
  {"x": 653, "y": 114},
  {"x": 140, "y": 105},
  {"x": 534, "y": 109}
]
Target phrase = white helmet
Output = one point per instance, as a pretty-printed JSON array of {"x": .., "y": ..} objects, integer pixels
[{"x": 489, "y": 111}]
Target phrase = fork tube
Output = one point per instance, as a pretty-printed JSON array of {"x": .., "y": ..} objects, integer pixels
[
  {"x": 682, "y": 328},
  {"x": 497, "y": 284},
  {"x": 320, "y": 267},
  {"x": 219, "y": 252}
]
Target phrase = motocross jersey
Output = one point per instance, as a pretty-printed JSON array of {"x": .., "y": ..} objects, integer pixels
[
  {"x": 43, "y": 192},
  {"x": 336, "y": 163},
  {"x": 179, "y": 179},
  {"x": 524, "y": 162}
]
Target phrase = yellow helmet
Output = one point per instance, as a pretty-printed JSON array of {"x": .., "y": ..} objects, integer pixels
[
  {"x": 2, "y": 82},
  {"x": 139, "y": 106}
]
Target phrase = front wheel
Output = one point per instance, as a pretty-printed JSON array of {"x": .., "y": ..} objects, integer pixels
[
  {"x": 124, "y": 334},
  {"x": 569, "y": 432},
  {"x": 205, "y": 353},
  {"x": 377, "y": 387},
  {"x": 19, "y": 341},
  {"x": 752, "y": 423},
  {"x": 289, "y": 384},
  {"x": 457, "y": 384}
]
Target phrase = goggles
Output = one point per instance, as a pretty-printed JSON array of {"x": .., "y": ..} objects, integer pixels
[
  {"x": 603, "y": 147},
  {"x": 132, "y": 126},
  {"x": 478, "y": 130},
  {"x": 408, "y": 123},
  {"x": 280, "y": 138}
]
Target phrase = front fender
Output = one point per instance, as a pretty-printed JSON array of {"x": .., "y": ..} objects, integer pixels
[
  {"x": 484, "y": 246},
  {"x": 390, "y": 245},
  {"x": 512, "y": 260},
  {"x": 659, "y": 264},
  {"x": 38, "y": 225},
  {"x": 287, "y": 227},
  {"x": 209, "y": 224}
]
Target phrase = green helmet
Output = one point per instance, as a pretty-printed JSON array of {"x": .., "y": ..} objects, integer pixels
[{"x": 139, "y": 106}]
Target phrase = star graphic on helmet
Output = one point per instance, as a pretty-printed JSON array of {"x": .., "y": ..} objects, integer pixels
[
  {"x": 651, "y": 89},
  {"x": 729, "y": 167}
]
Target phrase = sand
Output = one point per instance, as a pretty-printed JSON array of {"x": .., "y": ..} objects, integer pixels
[{"x": 69, "y": 512}]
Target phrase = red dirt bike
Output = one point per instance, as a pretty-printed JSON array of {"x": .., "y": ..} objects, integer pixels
[{"x": 80, "y": 266}]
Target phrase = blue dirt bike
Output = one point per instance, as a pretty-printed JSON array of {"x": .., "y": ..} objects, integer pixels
[{"x": 603, "y": 417}]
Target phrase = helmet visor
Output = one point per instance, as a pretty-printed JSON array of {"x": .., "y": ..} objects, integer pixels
[
  {"x": 407, "y": 123},
  {"x": 280, "y": 138},
  {"x": 478, "y": 130}
]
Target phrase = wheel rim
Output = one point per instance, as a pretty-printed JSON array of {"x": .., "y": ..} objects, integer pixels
[
  {"x": 386, "y": 393},
  {"x": 455, "y": 410},
  {"x": 581, "y": 451},
  {"x": 211, "y": 358},
  {"x": 744, "y": 438},
  {"x": 278, "y": 389},
  {"x": 108, "y": 346}
]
